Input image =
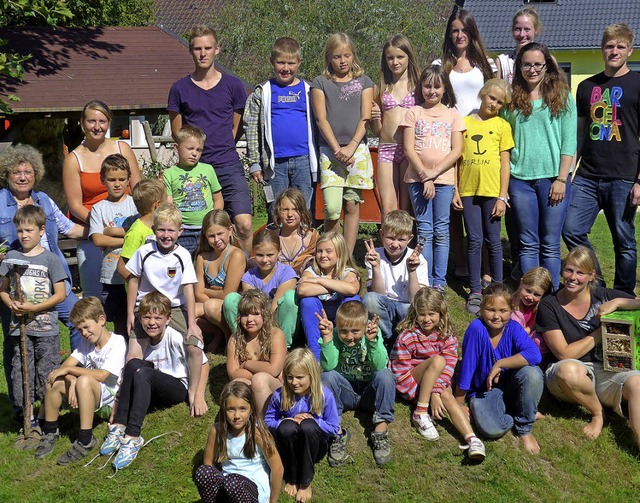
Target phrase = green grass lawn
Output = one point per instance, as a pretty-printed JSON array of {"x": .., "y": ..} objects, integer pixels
[{"x": 569, "y": 468}]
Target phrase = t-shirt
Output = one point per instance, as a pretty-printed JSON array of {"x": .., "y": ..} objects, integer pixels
[
  {"x": 212, "y": 111},
  {"x": 483, "y": 143},
  {"x": 282, "y": 274},
  {"x": 343, "y": 103},
  {"x": 289, "y": 120},
  {"x": 169, "y": 356},
  {"x": 396, "y": 275},
  {"x": 137, "y": 235},
  {"x": 611, "y": 107},
  {"x": 192, "y": 191},
  {"x": 433, "y": 129},
  {"x": 44, "y": 271},
  {"x": 356, "y": 363},
  {"x": 110, "y": 357},
  {"x": 166, "y": 273},
  {"x": 552, "y": 316},
  {"x": 109, "y": 214}
]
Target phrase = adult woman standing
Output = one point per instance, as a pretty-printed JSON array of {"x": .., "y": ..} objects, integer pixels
[
  {"x": 21, "y": 167},
  {"x": 83, "y": 186},
  {"x": 525, "y": 27},
  {"x": 543, "y": 118}
]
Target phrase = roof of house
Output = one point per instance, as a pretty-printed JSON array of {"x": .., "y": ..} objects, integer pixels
[
  {"x": 567, "y": 24},
  {"x": 181, "y": 16},
  {"x": 127, "y": 68}
]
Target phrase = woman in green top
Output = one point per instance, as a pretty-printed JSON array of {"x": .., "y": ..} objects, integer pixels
[{"x": 543, "y": 117}]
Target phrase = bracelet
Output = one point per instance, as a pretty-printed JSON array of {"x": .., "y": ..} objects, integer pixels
[
  {"x": 356, "y": 142},
  {"x": 561, "y": 180},
  {"x": 505, "y": 200}
]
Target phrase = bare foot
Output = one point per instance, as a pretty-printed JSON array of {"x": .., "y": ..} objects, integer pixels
[
  {"x": 594, "y": 428},
  {"x": 530, "y": 444},
  {"x": 539, "y": 415},
  {"x": 304, "y": 494},
  {"x": 291, "y": 489}
]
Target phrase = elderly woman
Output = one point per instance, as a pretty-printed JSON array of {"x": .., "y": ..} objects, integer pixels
[{"x": 21, "y": 167}]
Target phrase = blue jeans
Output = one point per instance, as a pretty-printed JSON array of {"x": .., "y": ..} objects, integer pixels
[
  {"x": 377, "y": 395},
  {"x": 311, "y": 305},
  {"x": 391, "y": 312},
  {"x": 539, "y": 224},
  {"x": 612, "y": 196},
  {"x": 190, "y": 239},
  {"x": 512, "y": 403},
  {"x": 432, "y": 216},
  {"x": 294, "y": 172},
  {"x": 89, "y": 261}
]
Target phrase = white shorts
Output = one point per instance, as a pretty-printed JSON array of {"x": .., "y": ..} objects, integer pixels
[{"x": 107, "y": 396}]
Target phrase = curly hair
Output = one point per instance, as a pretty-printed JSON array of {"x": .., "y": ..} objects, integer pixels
[
  {"x": 425, "y": 300},
  {"x": 254, "y": 301},
  {"x": 13, "y": 156},
  {"x": 554, "y": 87}
]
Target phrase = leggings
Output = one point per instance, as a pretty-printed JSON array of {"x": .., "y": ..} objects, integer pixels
[
  {"x": 216, "y": 487},
  {"x": 300, "y": 446}
]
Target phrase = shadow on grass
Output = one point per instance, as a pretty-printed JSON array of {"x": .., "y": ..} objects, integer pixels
[{"x": 217, "y": 379}]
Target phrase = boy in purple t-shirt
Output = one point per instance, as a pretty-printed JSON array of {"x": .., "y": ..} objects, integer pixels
[{"x": 214, "y": 102}]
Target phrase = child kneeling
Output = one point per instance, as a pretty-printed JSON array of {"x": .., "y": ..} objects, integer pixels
[
  {"x": 160, "y": 378},
  {"x": 355, "y": 370},
  {"x": 87, "y": 380}
]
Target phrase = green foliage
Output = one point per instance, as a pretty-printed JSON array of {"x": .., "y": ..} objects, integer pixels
[
  {"x": 245, "y": 49},
  {"x": 111, "y": 12}
]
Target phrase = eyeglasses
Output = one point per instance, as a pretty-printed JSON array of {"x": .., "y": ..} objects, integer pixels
[
  {"x": 18, "y": 174},
  {"x": 538, "y": 67}
]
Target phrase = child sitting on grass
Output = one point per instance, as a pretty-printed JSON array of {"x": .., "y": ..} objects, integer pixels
[{"x": 88, "y": 380}]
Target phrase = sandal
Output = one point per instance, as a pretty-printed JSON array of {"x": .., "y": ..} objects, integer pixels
[{"x": 77, "y": 452}]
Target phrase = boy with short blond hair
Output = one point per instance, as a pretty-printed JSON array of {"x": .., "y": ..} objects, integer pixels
[
  {"x": 395, "y": 272},
  {"x": 279, "y": 126},
  {"x": 192, "y": 185},
  {"x": 354, "y": 363},
  {"x": 87, "y": 380},
  {"x": 108, "y": 221}
]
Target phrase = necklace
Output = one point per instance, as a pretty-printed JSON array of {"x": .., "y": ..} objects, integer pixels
[{"x": 24, "y": 202}]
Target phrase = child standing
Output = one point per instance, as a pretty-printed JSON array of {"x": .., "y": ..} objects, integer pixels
[
  {"x": 87, "y": 380},
  {"x": 354, "y": 363},
  {"x": 278, "y": 123},
  {"x": 342, "y": 98},
  {"x": 43, "y": 288},
  {"x": 399, "y": 75},
  {"x": 329, "y": 282},
  {"x": 192, "y": 185},
  {"x": 483, "y": 184},
  {"x": 160, "y": 377},
  {"x": 423, "y": 361},
  {"x": 256, "y": 350},
  {"x": 277, "y": 281},
  {"x": 433, "y": 144},
  {"x": 395, "y": 273},
  {"x": 107, "y": 223},
  {"x": 499, "y": 373},
  {"x": 302, "y": 416},
  {"x": 241, "y": 462},
  {"x": 297, "y": 237}
]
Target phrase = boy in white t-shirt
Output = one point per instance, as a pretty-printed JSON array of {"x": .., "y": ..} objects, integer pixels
[
  {"x": 87, "y": 380},
  {"x": 161, "y": 377},
  {"x": 395, "y": 273}
]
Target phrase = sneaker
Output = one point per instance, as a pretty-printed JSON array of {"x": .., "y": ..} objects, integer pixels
[
  {"x": 425, "y": 426},
  {"x": 112, "y": 443},
  {"x": 128, "y": 451},
  {"x": 473, "y": 303},
  {"x": 381, "y": 448},
  {"x": 45, "y": 446},
  {"x": 77, "y": 452},
  {"x": 441, "y": 289},
  {"x": 476, "y": 450},
  {"x": 338, "y": 449}
]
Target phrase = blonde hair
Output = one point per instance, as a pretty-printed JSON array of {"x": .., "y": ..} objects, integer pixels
[
  {"x": 167, "y": 212},
  {"x": 398, "y": 223},
  {"x": 188, "y": 131},
  {"x": 147, "y": 192},
  {"x": 87, "y": 308},
  {"x": 156, "y": 303},
  {"x": 617, "y": 31},
  {"x": 15, "y": 155},
  {"x": 215, "y": 217},
  {"x": 352, "y": 314},
  {"x": 98, "y": 105},
  {"x": 201, "y": 30},
  {"x": 585, "y": 260},
  {"x": 342, "y": 253},
  {"x": 503, "y": 85},
  {"x": 254, "y": 301},
  {"x": 303, "y": 359},
  {"x": 533, "y": 16},
  {"x": 538, "y": 277},
  {"x": 285, "y": 47},
  {"x": 333, "y": 42},
  {"x": 297, "y": 199},
  {"x": 427, "y": 299}
]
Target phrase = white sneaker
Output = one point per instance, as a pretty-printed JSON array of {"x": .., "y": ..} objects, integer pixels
[
  {"x": 476, "y": 450},
  {"x": 425, "y": 426}
]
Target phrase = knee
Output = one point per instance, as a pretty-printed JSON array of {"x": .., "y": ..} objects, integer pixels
[
  {"x": 288, "y": 300},
  {"x": 631, "y": 388},
  {"x": 371, "y": 300},
  {"x": 438, "y": 362},
  {"x": 531, "y": 374},
  {"x": 260, "y": 382},
  {"x": 571, "y": 374},
  {"x": 243, "y": 226},
  {"x": 308, "y": 426},
  {"x": 332, "y": 208},
  {"x": 331, "y": 379},
  {"x": 384, "y": 379},
  {"x": 310, "y": 305},
  {"x": 84, "y": 383},
  {"x": 287, "y": 430},
  {"x": 213, "y": 310}
]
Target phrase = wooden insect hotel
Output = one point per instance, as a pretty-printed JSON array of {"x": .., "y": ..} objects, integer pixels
[{"x": 621, "y": 341}]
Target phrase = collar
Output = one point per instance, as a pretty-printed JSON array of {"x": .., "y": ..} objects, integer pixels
[{"x": 404, "y": 254}]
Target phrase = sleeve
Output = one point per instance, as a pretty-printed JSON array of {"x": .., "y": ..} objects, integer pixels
[
  {"x": 458, "y": 121},
  {"x": 330, "y": 421},
  {"x": 96, "y": 225},
  {"x": 367, "y": 266},
  {"x": 470, "y": 355},
  {"x": 64, "y": 224},
  {"x": 80, "y": 353},
  {"x": 287, "y": 273},
  {"x": 318, "y": 83},
  {"x": 569, "y": 132},
  {"x": 450, "y": 354},
  {"x": 367, "y": 83},
  {"x": 524, "y": 345},
  {"x": 492, "y": 64},
  {"x": 610, "y": 294},
  {"x": 56, "y": 271},
  {"x": 134, "y": 266},
  {"x": 4, "y": 265},
  {"x": 518, "y": 317},
  {"x": 238, "y": 95},
  {"x": 189, "y": 275},
  {"x": 273, "y": 415},
  {"x": 410, "y": 118},
  {"x": 423, "y": 271},
  {"x": 251, "y": 122},
  {"x": 547, "y": 317},
  {"x": 329, "y": 352},
  {"x": 132, "y": 241},
  {"x": 116, "y": 359},
  {"x": 376, "y": 352},
  {"x": 401, "y": 356},
  {"x": 174, "y": 101},
  {"x": 506, "y": 136},
  {"x": 214, "y": 184},
  {"x": 582, "y": 104}
]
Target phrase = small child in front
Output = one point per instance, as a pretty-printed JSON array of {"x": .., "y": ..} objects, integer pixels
[
  {"x": 43, "y": 288},
  {"x": 88, "y": 380},
  {"x": 160, "y": 377},
  {"x": 192, "y": 185},
  {"x": 302, "y": 416},
  {"x": 107, "y": 223},
  {"x": 354, "y": 361},
  {"x": 395, "y": 273}
]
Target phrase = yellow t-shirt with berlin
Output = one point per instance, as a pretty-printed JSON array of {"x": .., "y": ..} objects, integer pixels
[{"x": 480, "y": 167}]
